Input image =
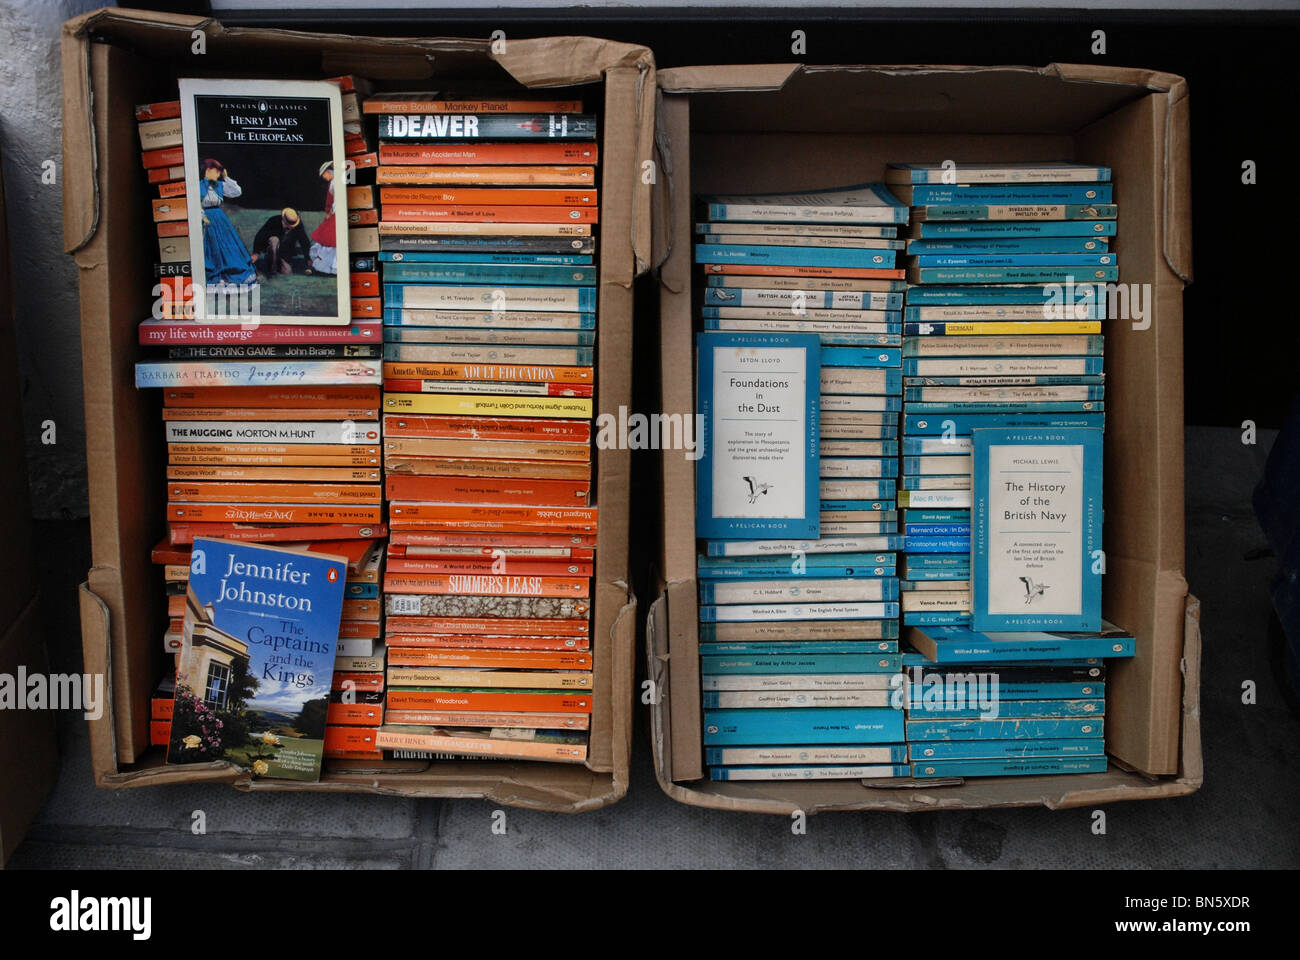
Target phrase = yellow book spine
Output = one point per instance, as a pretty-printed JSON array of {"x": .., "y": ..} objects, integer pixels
[{"x": 488, "y": 405}]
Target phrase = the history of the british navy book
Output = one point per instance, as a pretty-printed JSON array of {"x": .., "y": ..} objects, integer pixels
[{"x": 1036, "y": 561}]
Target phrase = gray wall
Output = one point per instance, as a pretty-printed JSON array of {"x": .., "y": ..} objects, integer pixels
[{"x": 44, "y": 277}]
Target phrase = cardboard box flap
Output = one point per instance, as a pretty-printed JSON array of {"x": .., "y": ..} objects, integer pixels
[
  {"x": 712, "y": 79},
  {"x": 564, "y": 61},
  {"x": 97, "y": 657}
]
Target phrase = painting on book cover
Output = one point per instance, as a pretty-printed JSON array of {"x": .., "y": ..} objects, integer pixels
[
  {"x": 265, "y": 174},
  {"x": 257, "y": 660}
]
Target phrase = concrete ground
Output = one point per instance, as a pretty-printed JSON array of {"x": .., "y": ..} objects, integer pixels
[{"x": 1243, "y": 817}]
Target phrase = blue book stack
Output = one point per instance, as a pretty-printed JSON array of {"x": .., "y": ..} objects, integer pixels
[
  {"x": 799, "y": 638},
  {"x": 1008, "y": 271},
  {"x": 1008, "y": 704},
  {"x": 1001, "y": 328}
]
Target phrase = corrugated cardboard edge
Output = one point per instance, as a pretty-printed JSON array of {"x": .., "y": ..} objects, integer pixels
[
  {"x": 1190, "y": 778},
  {"x": 1177, "y": 200}
]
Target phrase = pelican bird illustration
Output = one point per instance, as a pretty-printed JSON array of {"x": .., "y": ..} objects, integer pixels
[
  {"x": 756, "y": 489},
  {"x": 1032, "y": 590}
]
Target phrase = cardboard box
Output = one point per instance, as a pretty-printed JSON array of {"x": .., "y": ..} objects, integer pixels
[
  {"x": 778, "y": 127},
  {"x": 29, "y": 752},
  {"x": 113, "y": 59}
]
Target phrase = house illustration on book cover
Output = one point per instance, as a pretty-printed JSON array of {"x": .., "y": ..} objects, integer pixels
[{"x": 216, "y": 655}]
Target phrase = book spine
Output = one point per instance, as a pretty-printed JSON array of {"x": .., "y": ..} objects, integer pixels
[
  {"x": 307, "y": 372},
  {"x": 729, "y": 756},
  {"x": 491, "y": 677},
  {"x": 273, "y": 513},
  {"x": 836, "y": 772},
  {"x": 794, "y": 256},
  {"x": 1022, "y": 228},
  {"x": 272, "y": 432},
  {"x": 452, "y": 699},
  {"x": 1035, "y": 766},
  {"x": 425, "y": 605},
  {"x": 743, "y": 727},
  {"x": 487, "y": 405},
  {"x": 485, "y": 126},
  {"x": 475, "y": 175},
  {"x": 1020, "y": 211},
  {"x": 798, "y": 611},
  {"x": 526, "y": 355},
  {"x": 486, "y": 585},
  {"x": 433, "y": 296}
]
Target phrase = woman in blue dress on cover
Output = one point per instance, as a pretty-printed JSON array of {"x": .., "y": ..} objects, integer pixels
[{"x": 225, "y": 258}]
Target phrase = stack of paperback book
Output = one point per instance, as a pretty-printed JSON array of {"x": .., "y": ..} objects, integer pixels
[
  {"x": 487, "y": 212},
  {"x": 799, "y": 384},
  {"x": 1002, "y": 419},
  {"x": 1002, "y": 328},
  {"x": 1008, "y": 704},
  {"x": 270, "y": 388}
]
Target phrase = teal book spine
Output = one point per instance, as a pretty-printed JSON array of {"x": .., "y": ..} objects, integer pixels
[
  {"x": 790, "y": 663},
  {"x": 1002, "y": 709},
  {"x": 1013, "y": 274},
  {"x": 966, "y": 645},
  {"x": 797, "y": 726},
  {"x": 846, "y": 772},
  {"x": 850, "y": 357},
  {"x": 1013, "y": 245},
  {"x": 1021, "y": 228},
  {"x": 1028, "y": 767},
  {"x": 1011, "y": 193},
  {"x": 1005, "y": 749},
  {"x": 884, "y": 753},
  {"x": 1043, "y": 294},
  {"x": 931, "y": 408},
  {"x": 808, "y": 565},
  {"x": 1014, "y": 260},
  {"x": 1072, "y": 728},
  {"x": 963, "y": 422},
  {"x": 860, "y": 258}
]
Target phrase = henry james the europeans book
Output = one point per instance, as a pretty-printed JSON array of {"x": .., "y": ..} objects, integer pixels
[
  {"x": 253, "y": 685},
  {"x": 758, "y": 474},
  {"x": 1035, "y": 549},
  {"x": 266, "y": 201}
]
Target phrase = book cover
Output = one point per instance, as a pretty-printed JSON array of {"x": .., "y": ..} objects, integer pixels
[
  {"x": 1036, "y": 517},
  {"x": 260, "y": 629},
  {"x": 262, "y": 157},
  {"x": 758, "y": 472}
]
